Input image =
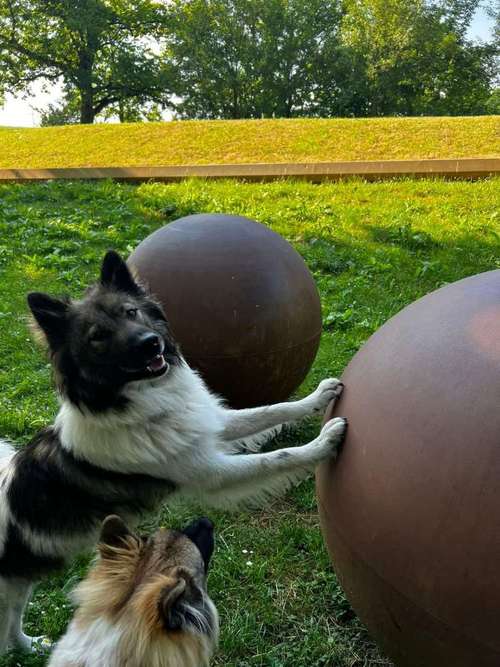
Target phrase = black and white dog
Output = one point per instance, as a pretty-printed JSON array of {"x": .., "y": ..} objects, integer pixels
[{"x": 135, "y": 425}]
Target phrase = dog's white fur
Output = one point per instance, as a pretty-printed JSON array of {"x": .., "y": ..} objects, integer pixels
[
  {"x": 94, "y": 645},
  {"x": 177, "y": 428},
  {"x": 174, "y": 427},
  {"x": 101, "y": 644}
]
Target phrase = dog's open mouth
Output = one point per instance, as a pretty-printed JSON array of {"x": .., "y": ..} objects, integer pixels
[
  {"x": 155, "y": 367},
  {"x": 158, "y": 365}
]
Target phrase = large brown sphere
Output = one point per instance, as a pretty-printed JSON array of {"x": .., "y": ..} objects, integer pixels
[
  {"x": 411, "y": 512},
  {"x": 241, "y": 302}
]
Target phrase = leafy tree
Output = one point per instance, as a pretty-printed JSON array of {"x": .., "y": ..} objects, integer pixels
[
  {"x": 298, "y": 41},
  {"x": 240, "y": 59},
  {"x": 128, "y": 110},
  {"x": 67, "y": 113},
  {"x": 412, "y": 57},
  {"x": 212, "y": 46},
  {"x": 249, "y": 58},
  {"x": 493, "y": 103},
  {"x": 102, "y": 50},
  {"x": 458, "y": 74}
]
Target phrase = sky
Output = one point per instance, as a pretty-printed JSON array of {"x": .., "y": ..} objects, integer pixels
[{"x": 22, "y": 113}]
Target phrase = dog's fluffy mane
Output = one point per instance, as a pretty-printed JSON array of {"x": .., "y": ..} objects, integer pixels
[{"x": 133, "y": 633}]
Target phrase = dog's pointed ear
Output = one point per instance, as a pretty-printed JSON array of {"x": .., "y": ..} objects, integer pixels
[
  {"x": 51, "y": 317},
  {"x": 114, "y": 534},
  {"x": 116, "y": 274},
  {"x": 171, "y": 591},
  {"x": 201, "y": 532}
]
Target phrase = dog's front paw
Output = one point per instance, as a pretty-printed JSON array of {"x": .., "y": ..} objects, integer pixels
[
  {"x": 332, "y": 436},
  {"x": 327, "y": 390}
]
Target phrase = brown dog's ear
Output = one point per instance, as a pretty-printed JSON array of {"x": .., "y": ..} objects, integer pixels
[
  {"x": 114, "y": 534},
  {"x": 170, "y": 593}
]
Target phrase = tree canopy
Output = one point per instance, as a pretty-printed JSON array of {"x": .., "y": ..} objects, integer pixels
[
  {"x": 413, "y": 58},
  {"x": 237, "y": 59},
  {"x": 249, "y": 58},
  {"x": 240, "y": 59},
  {"x": 101, "y": 49}
]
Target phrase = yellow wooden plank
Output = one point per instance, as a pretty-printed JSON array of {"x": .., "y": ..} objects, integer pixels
[{"x": 458, "y": 168}]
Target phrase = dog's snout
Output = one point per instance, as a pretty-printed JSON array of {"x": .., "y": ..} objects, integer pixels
[{"x": 149, "y": 343}]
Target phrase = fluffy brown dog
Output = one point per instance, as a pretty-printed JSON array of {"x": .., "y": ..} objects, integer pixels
[{"x": 144, "y": 603}]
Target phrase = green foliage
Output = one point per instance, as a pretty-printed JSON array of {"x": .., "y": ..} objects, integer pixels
[
  {"x": 240, "y": 59},
  {"x": 493, "y": 103},
  {"x": 100, "y": 48},
  {"x": 412, "y": 57},
  {"x": 372, "y": 247},
  {"x": 357, "y": 57},
  {"x": 65, "y": 112},
  {"x": 237, "y": 59}
]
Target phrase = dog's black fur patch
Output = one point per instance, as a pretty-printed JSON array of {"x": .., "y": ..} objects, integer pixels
[
  {"x": 18, "y": 560},
  {"x": 56, "y": 495},
  {"x": 54, "y": 491}
]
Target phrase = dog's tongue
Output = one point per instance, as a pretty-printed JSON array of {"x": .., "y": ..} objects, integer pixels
[{"x": 158, "y": 363}]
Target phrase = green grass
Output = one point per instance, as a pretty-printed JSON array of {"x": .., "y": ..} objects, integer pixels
[
  {"x": 373, "y": 248},
  {"x": 249, "y": 141}
]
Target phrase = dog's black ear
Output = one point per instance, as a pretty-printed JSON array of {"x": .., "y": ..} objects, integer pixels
[
  {"x": 114, "y": 533},
  {"x": 116, "y": 274},
  {"x": 201, "y": 532},
  {"x": 51, "y": 317}
]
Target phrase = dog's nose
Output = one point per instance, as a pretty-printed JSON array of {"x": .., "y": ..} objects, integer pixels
[{"x": 149, "y": 343}]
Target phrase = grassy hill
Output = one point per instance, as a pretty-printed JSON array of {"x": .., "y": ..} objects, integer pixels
[{"x": 247, "y": 141}]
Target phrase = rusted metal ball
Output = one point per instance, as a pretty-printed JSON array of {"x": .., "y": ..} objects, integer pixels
[
  {"x": 241, "y": 302},
  {"x": 411, "y": 511}
]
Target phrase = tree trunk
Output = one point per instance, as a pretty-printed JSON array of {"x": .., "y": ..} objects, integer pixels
[
  {"x": 235, "y": 112},
  {"x": 87, "y": 114},
  {"x": 86, "y": 65}
]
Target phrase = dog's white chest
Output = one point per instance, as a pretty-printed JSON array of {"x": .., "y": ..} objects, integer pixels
[{"x": 162, "y": 429}]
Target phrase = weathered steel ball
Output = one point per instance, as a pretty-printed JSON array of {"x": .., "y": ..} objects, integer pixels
[
  {"x": 411, "y": 511},
  {"x": 240, "y": 300}
]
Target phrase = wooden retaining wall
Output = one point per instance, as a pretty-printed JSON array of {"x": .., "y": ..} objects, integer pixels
[{"x": 317, "y": 171}]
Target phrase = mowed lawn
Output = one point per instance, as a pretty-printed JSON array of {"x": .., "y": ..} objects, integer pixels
[
  {"x": 372, "y": 247},
  {"x": 249, "y": 141}
]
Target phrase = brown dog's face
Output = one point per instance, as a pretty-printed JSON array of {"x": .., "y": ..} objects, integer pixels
[{"x": 155, "y": 585}]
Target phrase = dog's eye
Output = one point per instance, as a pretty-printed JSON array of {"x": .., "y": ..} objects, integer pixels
[{"x": 131, "y": 313}]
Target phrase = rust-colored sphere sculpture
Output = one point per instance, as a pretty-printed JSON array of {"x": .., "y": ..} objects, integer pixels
[
  {"x": 241, "y": 302},
  {"x": 411, "y": 512}
]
